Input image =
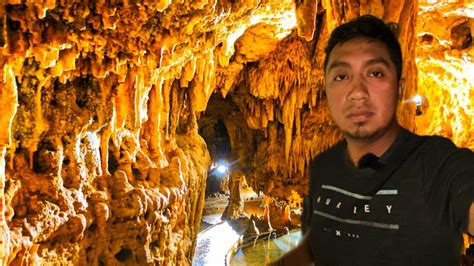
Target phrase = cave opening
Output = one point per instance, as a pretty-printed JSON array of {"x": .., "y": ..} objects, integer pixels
[{"x": 226, "y": 134}]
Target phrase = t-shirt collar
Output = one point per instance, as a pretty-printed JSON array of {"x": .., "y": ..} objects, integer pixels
[{"x": 371, "y": 160}]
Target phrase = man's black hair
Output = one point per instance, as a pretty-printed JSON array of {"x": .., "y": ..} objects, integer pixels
[{"x": 368, "y": 26}]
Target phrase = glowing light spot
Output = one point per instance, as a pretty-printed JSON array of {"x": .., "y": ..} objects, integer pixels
[
  {"x": 417, "y": 99},
  {"x": 222, "y": 169}
]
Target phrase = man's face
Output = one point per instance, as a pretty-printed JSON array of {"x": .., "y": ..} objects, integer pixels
[{"x": 362, "y": 88}]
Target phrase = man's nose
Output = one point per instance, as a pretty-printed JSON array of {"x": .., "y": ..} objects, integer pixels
[{"x": 358, "y": 90}]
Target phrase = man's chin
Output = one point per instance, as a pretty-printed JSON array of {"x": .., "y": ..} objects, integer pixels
[
  {"x": 361, "y": 133},
  {"x": 366, "y": 133}
]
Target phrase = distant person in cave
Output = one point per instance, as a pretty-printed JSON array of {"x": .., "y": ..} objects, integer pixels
[{"x": 382, "y": 195}]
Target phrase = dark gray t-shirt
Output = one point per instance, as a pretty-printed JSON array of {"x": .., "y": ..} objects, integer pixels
[{"x": 415, "y": 216}]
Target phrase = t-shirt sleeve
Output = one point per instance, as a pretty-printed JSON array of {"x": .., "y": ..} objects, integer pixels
[
  {"x": 451, "y": 188},
  {"x": 307, "y": 201},
  {"x": 463, "y": 189}
]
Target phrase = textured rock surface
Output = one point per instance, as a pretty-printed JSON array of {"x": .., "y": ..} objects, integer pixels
[
  {"x": 446, "y": 67},
  {"x": 101, "y": 161}
]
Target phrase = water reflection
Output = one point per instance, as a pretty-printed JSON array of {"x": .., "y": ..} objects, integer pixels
[{"x": 266, "y": 250}]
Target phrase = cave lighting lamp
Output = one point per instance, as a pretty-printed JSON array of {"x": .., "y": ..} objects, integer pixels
[
  {"x": 417, "y": 99},
  {"x": 222, "y": 168}
]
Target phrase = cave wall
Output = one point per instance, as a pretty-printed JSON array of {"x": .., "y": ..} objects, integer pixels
[
  {"x": 445, "y": 65},
  {"x": 100, "y": 157},
  {"x": 101, "y": 161}
]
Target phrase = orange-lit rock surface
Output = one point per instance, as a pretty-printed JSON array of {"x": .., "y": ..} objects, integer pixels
[
  {"x": 446, "y": 70},
  {"x": 104, "y": 105}
]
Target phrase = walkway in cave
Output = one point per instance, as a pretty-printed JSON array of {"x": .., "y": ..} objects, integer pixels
[
  {"x": 216, "y": 244},
  {"x": 219, "y": 242},
  {"x": 216, "y": 237},
  {"x": 212, "y": 211}
]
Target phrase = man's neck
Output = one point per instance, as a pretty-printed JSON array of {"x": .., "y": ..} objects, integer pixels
[{"x": 357, "y": 148}]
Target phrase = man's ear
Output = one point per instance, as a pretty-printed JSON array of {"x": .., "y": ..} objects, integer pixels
[{"x": 401, "y": 85}]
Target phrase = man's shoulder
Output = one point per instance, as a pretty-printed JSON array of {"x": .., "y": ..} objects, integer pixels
[
  {"x": 437, "y": 150},
  {"x": 436, "y": 139},
  {"x": 330, "y": 154},
  {"x": 440, "y": 144}
]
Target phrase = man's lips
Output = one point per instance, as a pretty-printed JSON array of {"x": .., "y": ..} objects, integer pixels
[{"x": 360, "y": 115}]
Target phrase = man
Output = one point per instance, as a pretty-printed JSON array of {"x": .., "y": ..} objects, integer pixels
[{"x": 383, "y": 195}]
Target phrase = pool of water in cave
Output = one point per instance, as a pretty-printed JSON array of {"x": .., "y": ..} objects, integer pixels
[{"x": 266, "y": 250}]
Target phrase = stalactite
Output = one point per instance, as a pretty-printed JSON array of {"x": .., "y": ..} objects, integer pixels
[
  {"x": 306, "y": 18},
  {"x": 204, "y": 81},
  {"x": 188, "y": 72},
  {"x": 8, "y": 108},
  {"x": 227, "y": 78}
]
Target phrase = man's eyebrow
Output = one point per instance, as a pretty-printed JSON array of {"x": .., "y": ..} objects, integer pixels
[
  {"x": 336, "y": 64},
  {"x": 375, "y": 61}
]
